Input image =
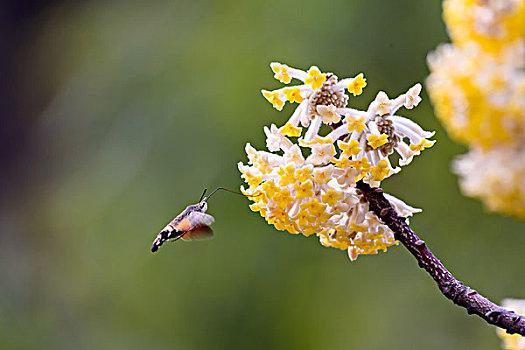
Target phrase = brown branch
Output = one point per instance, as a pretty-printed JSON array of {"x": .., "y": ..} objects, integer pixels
[{"x": 453, "y": 289}]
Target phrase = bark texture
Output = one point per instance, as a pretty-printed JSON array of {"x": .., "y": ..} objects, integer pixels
[{"x": 453, "y": 289}]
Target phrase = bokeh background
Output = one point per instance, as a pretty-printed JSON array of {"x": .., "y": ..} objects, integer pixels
[{"x": 116, "y": 114}]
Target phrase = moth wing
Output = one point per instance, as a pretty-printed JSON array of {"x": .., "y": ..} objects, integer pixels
[
  {"x": 198, "y": 233},
  {"x": 200, "y": 226},
  {"x": 183, "y": 225},
  {"x": 197, "y": 218}
]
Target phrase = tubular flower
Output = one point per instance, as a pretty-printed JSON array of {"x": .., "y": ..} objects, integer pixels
[
  {"x": 356, "y": 86},
  {"x": 290, "y": 130},
  {"x": 281, "y": 72},
  {"x": 496, "y": 176},
  {"x": 316, "y": 194},
  {"x": 512, "y": 341}
]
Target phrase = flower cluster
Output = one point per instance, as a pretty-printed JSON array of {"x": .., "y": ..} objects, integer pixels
[
  {"x": 306, "y": 182},
  {"x": 512, "y": 341},
  {"x": 491, "y": 23},
  {"x": 479, "y": 97},
  {"x": 495, "y": 176},
  {"x": 477, "y": 85}
]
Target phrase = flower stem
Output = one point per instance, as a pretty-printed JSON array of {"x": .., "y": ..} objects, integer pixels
[{"x": 453, "y": 289}]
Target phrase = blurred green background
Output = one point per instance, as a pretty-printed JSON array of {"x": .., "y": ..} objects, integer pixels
[{"x": 117, "y": 114}]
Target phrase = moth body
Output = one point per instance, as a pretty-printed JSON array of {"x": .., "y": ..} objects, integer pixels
[{"x": 192, "y": 223}]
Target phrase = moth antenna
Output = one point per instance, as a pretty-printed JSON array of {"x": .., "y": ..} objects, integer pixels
[{"x": 203, "y": 193}]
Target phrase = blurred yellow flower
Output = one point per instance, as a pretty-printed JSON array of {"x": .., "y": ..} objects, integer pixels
[
  {"x": 512, "y": 341},
  {"x": 476, "y": 86}
]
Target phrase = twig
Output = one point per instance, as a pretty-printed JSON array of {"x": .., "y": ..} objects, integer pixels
[{"x": 453, "y": 289}]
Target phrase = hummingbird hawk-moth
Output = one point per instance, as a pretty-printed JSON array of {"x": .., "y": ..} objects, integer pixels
[{"x": 193, "y": 223}]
